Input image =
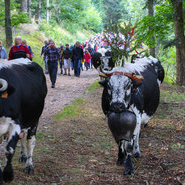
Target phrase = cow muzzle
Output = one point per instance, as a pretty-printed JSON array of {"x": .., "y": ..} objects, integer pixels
[
  {"x": 3, "y": 85},
  {"x": 117, "y": 107}
]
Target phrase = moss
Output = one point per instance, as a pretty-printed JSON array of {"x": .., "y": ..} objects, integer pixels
[
  {"x": 93, "y": 87},
  {"x": 71, "y": 110}
]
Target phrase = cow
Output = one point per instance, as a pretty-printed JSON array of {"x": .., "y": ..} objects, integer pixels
[
  {"x": 22, "y": 95},
  {"x": 130, "y": 98},
  {"x": 102, "y": 60}
]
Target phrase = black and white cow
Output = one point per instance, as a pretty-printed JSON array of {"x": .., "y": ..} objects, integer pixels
[
  {"x": 102, "y": 60},
  {"x": 130, "y": 97},
  {"x": 22, "y": 95}
]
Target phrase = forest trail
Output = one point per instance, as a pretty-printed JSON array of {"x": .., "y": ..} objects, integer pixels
[{"x": 67, "y": 89}]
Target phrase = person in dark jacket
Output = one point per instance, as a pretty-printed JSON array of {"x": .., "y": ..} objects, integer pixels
[
  {"x": 78, "y": 56},
  {"x": 44, "y": 55},
  {"x": 67, "y": 60},
  {"x": 53, "y": 55},
  {"x": 18, "y": 50}
]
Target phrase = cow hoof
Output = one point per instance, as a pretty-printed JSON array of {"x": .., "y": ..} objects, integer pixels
[
  {"x": 120, "y": 162},
  {"x": 129, "y": 171},
  {"x": 8, "y": 175},
  {"x": 137, "y": 155},
  {"x": 22, "y": 159},
  {"x": 29, "y": 170}
]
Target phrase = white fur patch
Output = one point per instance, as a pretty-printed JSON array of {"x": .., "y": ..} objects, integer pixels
[
  {"x": 118, "y": 84},
  {"x": 145, "y": 118},
  {"x": 5, "y": 124},
  {"x": 102, "y": 51},
  {"x": 30, "y": 148},
  {"x": 10, "y": 63},
  {"x": 139, "y": 65}
]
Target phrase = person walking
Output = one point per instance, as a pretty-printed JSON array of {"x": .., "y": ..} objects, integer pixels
[
  {"x": 67, "y": 60},
  {"x": 53, "y": 55},
  {"x": 91, "y": 51},
  {"x": 61, "y": 59},
  {"x": 87, "y": 58},
  {"x": 78, "y": 56},
  {"x": 24, "y": 42},
  {"x": 3, "y": 54},
  {"x": 18, "y": 50},
  {"x": 44, "y": 55}
]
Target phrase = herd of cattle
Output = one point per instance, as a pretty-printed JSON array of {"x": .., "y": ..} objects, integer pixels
[{"x": 130, "y": 97}]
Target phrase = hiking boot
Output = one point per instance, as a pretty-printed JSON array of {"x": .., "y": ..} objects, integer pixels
[
  {"x": 65, "y": 73},
  {"x": 69, "y": 74},
  {"x": 53, "y": 86}
]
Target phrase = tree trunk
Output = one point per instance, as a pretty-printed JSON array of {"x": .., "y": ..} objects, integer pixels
[
  {"x": 29, "y": 8},
  {"x": 47, "y": 11},
  {"x": 8, "y": 28},
  {"x": 39, "y": 12},
  {"x": 151, "y": 13},
  {"x": 180, "y": 41},
  {"x": 24, "y": 6}
]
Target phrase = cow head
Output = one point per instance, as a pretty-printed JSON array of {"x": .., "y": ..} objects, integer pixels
[
  {"x": 103, "y": 60},
  {"x": 119, "y": 87}
]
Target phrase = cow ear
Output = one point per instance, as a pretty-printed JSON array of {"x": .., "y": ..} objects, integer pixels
[{"x": 103, "y": 83}]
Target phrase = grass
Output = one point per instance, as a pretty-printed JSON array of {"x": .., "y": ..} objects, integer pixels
[
  {"x": 169, "y": 96},
  {"x": 71, "y": 110},
  {"x": 92, "y": 88}
]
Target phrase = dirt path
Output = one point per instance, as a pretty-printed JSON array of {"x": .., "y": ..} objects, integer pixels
[{"x": 67, "y": 89}]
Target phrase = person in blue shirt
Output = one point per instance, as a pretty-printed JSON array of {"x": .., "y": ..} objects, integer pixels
[{"x": 3, "y": 54}]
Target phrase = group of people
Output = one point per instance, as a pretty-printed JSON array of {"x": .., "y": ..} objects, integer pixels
[
  {"x": 69, "y": 57},
  {"x": 19, "y": 50},
  {"x": 73, "y": 57}
]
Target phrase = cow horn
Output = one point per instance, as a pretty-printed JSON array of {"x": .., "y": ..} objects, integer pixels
[
  {"x": 135, "y": 77},
  {"x": 3, "y": 84},
  {"x": 103, "y": 75}
]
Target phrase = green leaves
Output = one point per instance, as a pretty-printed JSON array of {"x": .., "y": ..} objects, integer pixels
[
  {"x": 160, "y": 25},
  {"x": 17, "y": 17},
  {"x": 80, "y": 12}
]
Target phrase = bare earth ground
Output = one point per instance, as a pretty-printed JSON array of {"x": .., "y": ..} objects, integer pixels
[{"x": 78, "y": 148}]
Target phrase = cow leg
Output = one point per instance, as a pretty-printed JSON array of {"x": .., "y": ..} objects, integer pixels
[
  {"x": 129, "y": 169},
  {"x": 137, "y": 153},
  {"x": 14, "y": 132},
  {"x": 136, "y": 149},
  {"x": 23, "y": 155},
  {"x": 121, "y": 155},
  {"x": 29, "y": 169}
]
